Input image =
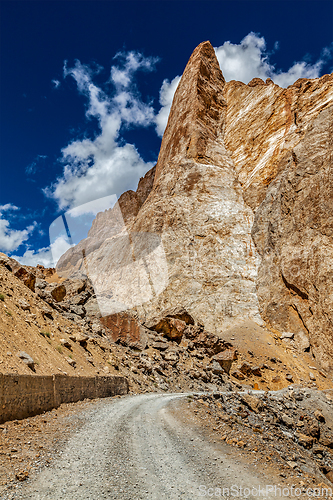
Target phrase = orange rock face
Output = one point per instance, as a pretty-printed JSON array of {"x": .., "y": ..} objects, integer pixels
[
  {"x": 263, "y": 124},
  {"x": 124, "y": 328},
  {"x": 241, "y": 205}
]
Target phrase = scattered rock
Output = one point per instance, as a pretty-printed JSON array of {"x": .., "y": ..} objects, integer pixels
[
  {"x": 23, "y": 304},
  {"x": 226, "y": 358},
  {"x": 27, "y": 359},
  {"x": 319, "y": 416},
  {"x": 252, "y": 402},
  {"x": 287, "y": 335},
  {"x": 65, "y": 343},
  {"x": 238, "y": 374},
  {"x": 305, "y": 441},
  {"x": 286, "y": 420}
]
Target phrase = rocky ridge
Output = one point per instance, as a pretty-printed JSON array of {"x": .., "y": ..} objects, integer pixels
[{"x": 235, "y": 224}]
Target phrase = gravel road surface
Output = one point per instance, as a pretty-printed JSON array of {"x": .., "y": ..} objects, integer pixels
[{"x": 139, "y": 448}]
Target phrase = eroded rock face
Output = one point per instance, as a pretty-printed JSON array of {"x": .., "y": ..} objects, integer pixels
[
  {"x": 293, "y": 231},
  {"x": 197, "y": 207},
  {"x": 264, "y": 122},
  {"x": 236, "y": 221}
]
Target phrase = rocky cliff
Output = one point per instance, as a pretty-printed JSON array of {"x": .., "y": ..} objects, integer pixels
[{"x": 235, "y": 225}]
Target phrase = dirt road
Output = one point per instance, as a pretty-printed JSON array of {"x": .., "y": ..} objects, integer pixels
[{"x": 139, "y": 448}]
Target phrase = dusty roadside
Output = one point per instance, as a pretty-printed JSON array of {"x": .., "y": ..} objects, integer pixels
[
  {"x": 165, "y": 446},
  {"x": 148, "y": 446},
  {"x": 31, "y": 444}
]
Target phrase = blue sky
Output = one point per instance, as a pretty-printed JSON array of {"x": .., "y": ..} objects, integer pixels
[{"x": 86, "y": 88}]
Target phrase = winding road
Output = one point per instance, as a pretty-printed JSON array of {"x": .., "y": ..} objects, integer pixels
[{"x": 142, "y": 448}]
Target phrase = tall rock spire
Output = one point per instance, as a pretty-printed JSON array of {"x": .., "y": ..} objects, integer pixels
[
  {"x": 191, "y": 238},
  {"x": 197, "y": 112}
]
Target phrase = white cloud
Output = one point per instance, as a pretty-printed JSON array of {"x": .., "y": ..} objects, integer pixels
[
  {"x": 56, "y": 83},
  {"x": 7, "y": 207},
  {"x": 105, "y": 165},
  {"x": 93, "y": 207},
  {"x": 167, "y": 92},
  {"x": 250, "y": 59},
  {"x": 11, "y": 239},
  {"x": 47, "y": 257},
  {"x": 244, "y": 61}
]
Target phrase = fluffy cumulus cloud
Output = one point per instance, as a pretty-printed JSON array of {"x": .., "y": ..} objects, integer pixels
[
  {"x": 47, "y": 257},
  {"x": 167, "y": 92},
  {"x": 250, "y": 58},
  {"x": 11, "y": 239},
  {"x": 244, "y": 61},
  {"x": 106, "y": 164}
]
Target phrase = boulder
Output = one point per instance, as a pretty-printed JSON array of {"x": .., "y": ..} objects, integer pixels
[
  {"x": 256, "y": 370},
  {"x": 92, "y": 308},
  {"x": 78, "y": 310},
  {"x": 216, "y": 368},
  {"x": 286, "y": 420},
  {"x": 65, "y": 343},
  {"x": 226, "y": 358},
  {"x": 171, "y": 328},
  {"x": 58, "y": 293},
  {"x": 97, "y": 328},
  {"x": 124, "y": 329},
  {"x": 71, "y": 362},
  {"x": 161, "y": 346},
  {"x": 255, "y": 404},
  {"x": 28, "y": 278},
  {"x": 287, "y": 335},
  {"x": 326, "y": 439}
]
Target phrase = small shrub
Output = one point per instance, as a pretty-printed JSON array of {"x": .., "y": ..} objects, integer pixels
[
  {"x": 9, "y": 313},
  {"x": 2, "y": 297},
  {"x": 45, "y": 334},
  {"x": 70, "y": 356},
  {"x": 59, "y": 349}
]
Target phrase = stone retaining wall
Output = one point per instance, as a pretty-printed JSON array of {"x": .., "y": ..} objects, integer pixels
[{"x": 23, "y": 396}]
